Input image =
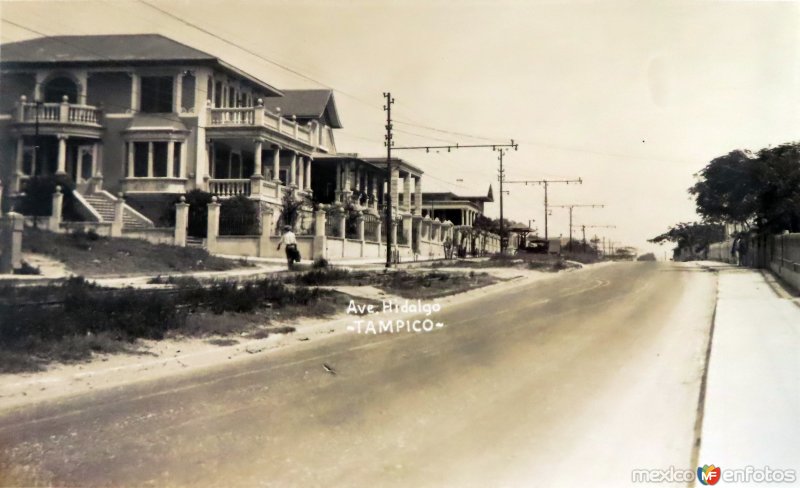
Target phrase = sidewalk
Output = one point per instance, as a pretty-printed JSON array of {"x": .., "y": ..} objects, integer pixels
[{"x": 752, "y": 401}]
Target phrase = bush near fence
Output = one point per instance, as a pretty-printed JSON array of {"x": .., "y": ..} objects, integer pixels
[{"x": 64, "y": 321}]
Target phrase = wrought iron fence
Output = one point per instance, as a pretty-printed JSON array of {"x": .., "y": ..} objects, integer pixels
[
  {"x": 351, "y": 226},
  {"x": 371, "y": 227},
  {"x": 239, "y": 225},
  {"x": 332, "y": 224}
]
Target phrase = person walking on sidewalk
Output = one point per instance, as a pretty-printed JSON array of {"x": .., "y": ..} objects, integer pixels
[
  {"x": 289, "y": 240},
  {"x": 741, "y": 250}
]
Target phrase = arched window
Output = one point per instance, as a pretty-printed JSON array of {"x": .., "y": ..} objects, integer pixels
[{"x": 56, "y": 88}]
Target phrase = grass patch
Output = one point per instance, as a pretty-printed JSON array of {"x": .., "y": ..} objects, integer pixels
[
  {"x": 425, "y": 284},
  {"x": 88, "y": 254},
  {"x": 72, "y": 320}
]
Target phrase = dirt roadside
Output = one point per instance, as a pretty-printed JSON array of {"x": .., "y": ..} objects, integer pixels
[{"x": 160, "y": 359}]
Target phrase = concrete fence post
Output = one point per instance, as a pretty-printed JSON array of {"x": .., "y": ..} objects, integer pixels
[
  {"x": 1, "y": 198},
  {"x": 181, "y": 222},
  {"x": 56, "y": 212},
  {"x": 212, "y": 230},
  {"x": 119, "y": 216},
  {"x": 266, "y": 231},
  {"x": 360, "y": 227},
  {"x": 407, "y": 227},
  {"x": 11, "y": 226},
  {"x": 342, "y": 224},
  {"x": 320, "y": 221},
  {"x": 320, "y": 243}
]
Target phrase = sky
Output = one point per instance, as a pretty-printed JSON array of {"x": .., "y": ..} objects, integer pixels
[{"x": 633, "y": 97}]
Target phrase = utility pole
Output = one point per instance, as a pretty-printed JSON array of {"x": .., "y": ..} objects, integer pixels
[
  {"x": 584, "y": 227},
  {"x": 387, "y": 197},
  {"x": 571, "y": 207},
  {"x": 390, "y": 146},
  {"x": 501, "y": 177},
  {"x": 546, "y": 183}
]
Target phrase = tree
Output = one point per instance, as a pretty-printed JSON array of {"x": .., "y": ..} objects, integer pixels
[
  {"x": 694, "y": 236},
  {"x": 761, "y": 192},
  {"x": 777, "y": 177},
  {"x": 727, "y": 190}
]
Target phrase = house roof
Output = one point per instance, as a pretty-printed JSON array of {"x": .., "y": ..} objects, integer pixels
[
  {"x": 113, "y": 49},
  {"x": 401, "y": 164},
  {"x": 314, "y": 104},
  {"x": 448, "y": 196}
]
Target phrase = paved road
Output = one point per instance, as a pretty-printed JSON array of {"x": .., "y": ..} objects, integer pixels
[{"x": 569, "y": 382}]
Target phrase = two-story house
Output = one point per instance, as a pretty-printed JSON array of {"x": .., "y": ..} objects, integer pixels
[{"x": 153, "y": 118}]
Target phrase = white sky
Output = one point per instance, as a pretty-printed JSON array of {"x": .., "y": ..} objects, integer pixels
[{"x": 634, "y": 97}]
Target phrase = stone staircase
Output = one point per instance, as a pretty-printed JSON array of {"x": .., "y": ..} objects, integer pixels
[{"x": 103, "y": 203}]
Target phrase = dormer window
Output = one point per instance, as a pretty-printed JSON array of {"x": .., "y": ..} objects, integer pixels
[{"x": 156, "y": 94}]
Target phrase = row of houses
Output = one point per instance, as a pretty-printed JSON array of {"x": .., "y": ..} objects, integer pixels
[{"x": 150, "y": 118}]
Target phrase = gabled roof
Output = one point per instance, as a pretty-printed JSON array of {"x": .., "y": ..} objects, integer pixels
[
  {"x": 112, "y": 50},
  {"x": 311, "y": 104}
]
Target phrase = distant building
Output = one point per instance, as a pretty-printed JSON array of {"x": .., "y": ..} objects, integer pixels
[{"x": 460, "y": 210}]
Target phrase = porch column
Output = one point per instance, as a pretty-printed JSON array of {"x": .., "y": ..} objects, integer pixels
[
  {"x": 374, "y": 192},
  {"x": 131, "y": 155},
  {"x": 276, "y": 163},
  {"x": 293, "y": 170},
  {"x": 170, "y": 158},
  {"x": 257, "y": 169},
  {"x": 96, "y": 168},
  {"x": 149, "y": 159},
  {"x": 407, "y": 193},
  {"x": 62, "y": 155},
  {"x": 135, "y": 89},
  {"x": 338, "y": 191},
  {"x": 301, "y": 172},
  {"x": 20, "y": 153},
  {"x": 393, "y": 186},
  {"x": 418, "y": 196},
  {"x": 178, "y": 91},
  {"x": 308, "y": 172},
  {"x": 347, "y": 184},
  {"x": 212, "y": 159}
]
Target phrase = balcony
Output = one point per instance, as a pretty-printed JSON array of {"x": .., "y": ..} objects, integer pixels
[
  {"x": 58, "y": 116},
  {"x": 256, "y": 188},
  {"x": 313, "y": 136}
]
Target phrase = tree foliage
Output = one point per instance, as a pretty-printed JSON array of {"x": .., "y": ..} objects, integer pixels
[
  {"x": 761, "y": 191},
  {"x": 694, "y": 236}
]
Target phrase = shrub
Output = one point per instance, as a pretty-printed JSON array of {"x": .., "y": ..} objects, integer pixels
[
  {"x": 38, "y": 198},
  {"x": 239, "y": 216},
  {"x": 320, "y": 263}
]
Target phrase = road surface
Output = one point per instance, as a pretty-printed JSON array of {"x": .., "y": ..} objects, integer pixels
[{"x": 573, "y": 381}]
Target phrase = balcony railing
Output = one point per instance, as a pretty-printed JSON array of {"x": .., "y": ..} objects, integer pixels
[
  {"x": 229, "y": 188},
  {"x": 313, "y": 134},
  {"x": 64, "y": 113}
]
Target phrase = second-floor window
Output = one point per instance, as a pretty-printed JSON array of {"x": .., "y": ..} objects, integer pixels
[{"x": 156, "y": 94}]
